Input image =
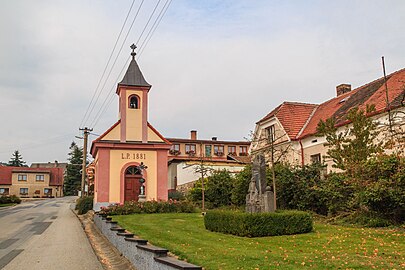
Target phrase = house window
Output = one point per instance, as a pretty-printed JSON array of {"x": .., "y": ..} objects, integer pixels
[
  {"x": 208, "y": 150},
  {"x": 39, "y": 178},
  {"x": 190, "y": 149},
  {"x": 218, "y": 150},
  {"x": 316, "y": 158},
  {"x": 175, "y": 149},
  {"x": 232, "y": 150},
  {"x": 271, "y": 133},
  {"x": 133, "y": 102},
  {"x": 4, "y": 191},
  {"x": 23, "y": 191},
  {"x": 243, "y": 151},
  {"x": 47, "y": 191},
  {"x": 22, "y": 177}
]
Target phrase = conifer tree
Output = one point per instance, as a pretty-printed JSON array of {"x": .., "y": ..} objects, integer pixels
[
  {"x": 16, "y": 160},
  {"x": 72, "y": 183}
]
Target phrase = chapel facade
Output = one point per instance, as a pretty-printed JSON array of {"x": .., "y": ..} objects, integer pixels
[{"x": 130, "y": 158}]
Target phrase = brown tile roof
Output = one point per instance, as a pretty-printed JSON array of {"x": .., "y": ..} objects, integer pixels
[
  {"x": 368, "y": 94},
  {"x": 5, "y": 175},
  {"x": 179, "y": 140},
  {"x": 301, "y": 119},
  {"x": 240, "y": 159},
  {"x": 292, "y": 115}
]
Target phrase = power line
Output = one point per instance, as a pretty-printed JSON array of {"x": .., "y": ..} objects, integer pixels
[
  {"x": 115, "y": 61},
  {"x": 150, "y": 17},
  {"x": 105, "y": 105},
  {"x": 110, "y": 95},
  {"x": 153, "y": 29},
  {"x": 108, "y": 62}
]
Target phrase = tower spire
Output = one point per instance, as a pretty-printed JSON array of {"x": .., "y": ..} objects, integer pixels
[{"x": 133, "y": 76}]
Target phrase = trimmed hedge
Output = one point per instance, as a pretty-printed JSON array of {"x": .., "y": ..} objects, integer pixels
[
  {"x": 258, "y": 224},
  {"x": 149, "y": 207},
  {"x": 10, "y": 199},
  {"x": 85, "y": 204}
]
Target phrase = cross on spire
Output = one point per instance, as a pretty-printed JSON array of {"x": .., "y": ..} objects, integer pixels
[{"x": 133, "y": 53}]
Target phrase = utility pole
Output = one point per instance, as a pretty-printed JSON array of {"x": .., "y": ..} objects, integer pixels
[{"x": 86, "y": 132}]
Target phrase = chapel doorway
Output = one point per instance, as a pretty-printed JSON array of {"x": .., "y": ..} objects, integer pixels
[{"x": 133, "y": 183}]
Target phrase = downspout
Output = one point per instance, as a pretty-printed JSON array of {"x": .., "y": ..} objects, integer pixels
[{"x": 302, "y": 153}]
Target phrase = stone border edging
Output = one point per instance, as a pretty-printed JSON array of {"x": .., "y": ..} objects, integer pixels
[{"x": 139, "y": 252}]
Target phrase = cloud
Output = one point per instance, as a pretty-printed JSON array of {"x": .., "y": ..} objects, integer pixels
[{"x": 215, "y": 66}]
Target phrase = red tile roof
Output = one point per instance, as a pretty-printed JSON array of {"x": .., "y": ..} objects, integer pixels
[
  {"x": 292, "y": 116},
  {"x": 56, "y": 174},
  {"x": 301, "y": 120},
  {"x": 5, "y": 175},
  {"x": 368, "y": 94}
]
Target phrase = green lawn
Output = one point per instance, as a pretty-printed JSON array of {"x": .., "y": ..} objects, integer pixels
[
  {"x": 328, "y": 247},
  {"x": 6, "y": 204}
]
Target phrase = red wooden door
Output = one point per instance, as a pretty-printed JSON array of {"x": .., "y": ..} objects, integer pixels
[{"x": 132, "y": 187}]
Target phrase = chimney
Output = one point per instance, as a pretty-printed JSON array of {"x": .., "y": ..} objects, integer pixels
[
  {"x": 343, "y": 88},
  {"x": 193, "y": 134},
  {"x": 214, "y": 138},
  {"x": 56, "y": 164}
]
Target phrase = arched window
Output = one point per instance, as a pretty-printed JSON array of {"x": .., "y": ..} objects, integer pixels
[
  {"x": 134, "y": 102},
  {"x": 134, "y": 170}
]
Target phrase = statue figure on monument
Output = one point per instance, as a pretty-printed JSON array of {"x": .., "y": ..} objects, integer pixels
[{"x": 259, "y": 197}]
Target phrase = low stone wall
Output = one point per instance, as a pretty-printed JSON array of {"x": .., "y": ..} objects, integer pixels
[{"x": 139, "y": 252}]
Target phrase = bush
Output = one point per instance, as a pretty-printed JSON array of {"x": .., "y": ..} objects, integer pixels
[
  {"x": 10, "y": 199},
  {"x": 241, "y": 186},
  {"x": 218, "y": 189},
  {"x": 258, "y": 224},
  {"x": 149, "y": 207},
  {"x": 366, "y": 219},
  {"x": 175, "y": 195},
  {"x": 83, "y": 205},
  {"x": 383, "y": 189}
]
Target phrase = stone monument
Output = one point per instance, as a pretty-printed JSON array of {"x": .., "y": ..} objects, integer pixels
[{"x": 260, "y": 197}]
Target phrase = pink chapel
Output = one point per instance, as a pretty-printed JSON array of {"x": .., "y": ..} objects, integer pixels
[{"x": 130, "y": 158}]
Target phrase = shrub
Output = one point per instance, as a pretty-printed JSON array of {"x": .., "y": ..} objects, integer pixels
[
  {"x": 83, "y": 205},
  {"x": 366, "y": 219},
  {"x": 175, "y": 195},
  {"x": 218, "y": 189},
  {"x": 149, "y": 207},
  {"x": 258, "y": 224},
  {"x": 241, "y": 186},
  {"x": 10, "y": 199}
]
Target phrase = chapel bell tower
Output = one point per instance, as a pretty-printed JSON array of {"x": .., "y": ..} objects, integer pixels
[{"x": 133, "y": 104}]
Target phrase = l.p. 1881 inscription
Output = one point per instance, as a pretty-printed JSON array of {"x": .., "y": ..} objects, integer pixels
[{"x": 133, "y": 156}]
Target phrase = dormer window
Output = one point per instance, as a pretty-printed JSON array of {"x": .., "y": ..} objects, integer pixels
[{"x": 134, "y": 102}]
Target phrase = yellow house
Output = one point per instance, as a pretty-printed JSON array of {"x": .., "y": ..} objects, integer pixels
[
  {"x": 130, "y": 158},
  {"x": 31, "y": 182}
]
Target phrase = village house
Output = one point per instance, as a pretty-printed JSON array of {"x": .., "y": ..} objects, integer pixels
[
  {"x": 31, "y": 182},
  {"x": 292, "y": 126},
  {"x": 187, "y": 155}
]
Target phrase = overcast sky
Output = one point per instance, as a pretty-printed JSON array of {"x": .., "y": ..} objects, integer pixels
[{"x": 215, "y": 66}]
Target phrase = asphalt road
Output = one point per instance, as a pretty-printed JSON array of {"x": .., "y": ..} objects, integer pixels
[{"x": 44, "y": 234}]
